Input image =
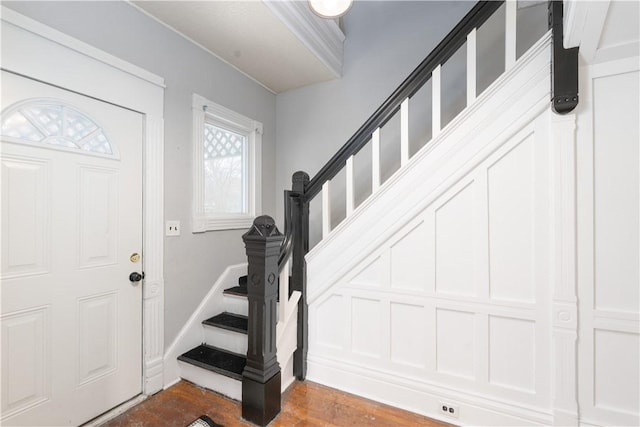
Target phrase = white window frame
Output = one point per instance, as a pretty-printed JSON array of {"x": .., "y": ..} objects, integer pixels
[{"x": 205, "y": 111}]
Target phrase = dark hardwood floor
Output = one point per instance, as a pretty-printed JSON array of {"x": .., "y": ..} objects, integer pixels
[{"x": 303, "y": 404}]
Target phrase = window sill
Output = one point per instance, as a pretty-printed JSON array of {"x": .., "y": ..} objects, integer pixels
[{"x": 202, "y": 225}]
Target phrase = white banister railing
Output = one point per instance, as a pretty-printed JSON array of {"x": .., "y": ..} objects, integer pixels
[
  {"x": 436, "y": 103},
  {"x": 375, "y": 160},
  {"x": 467, "y": 37},
  {"x": 511, "y": 18},
  {"x": 326, "y": 209},
  {"x": 471, "y": 66},
  {"x": 287, "y": 304},
  {"x": 350, "y": 184},
  {"x": 404, "y": 132}
]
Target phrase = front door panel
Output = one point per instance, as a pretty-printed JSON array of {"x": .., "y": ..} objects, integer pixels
[{"x": 71, "y": 216}]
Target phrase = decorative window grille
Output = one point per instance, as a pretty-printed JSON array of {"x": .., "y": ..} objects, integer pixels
[
  {"x": 55, "y": 124},
  {"x": 225, "y": 167}
]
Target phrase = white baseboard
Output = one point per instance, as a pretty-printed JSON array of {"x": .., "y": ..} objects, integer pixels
[{"x": 420, "y": 398}]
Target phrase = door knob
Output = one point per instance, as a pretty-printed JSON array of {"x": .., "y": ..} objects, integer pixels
[{"x": 136, "y": 277}]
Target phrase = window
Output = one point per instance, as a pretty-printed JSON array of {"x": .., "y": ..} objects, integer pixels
[
  {"x": 227, "y": 157},
  {"x": 56, "y": 125}
]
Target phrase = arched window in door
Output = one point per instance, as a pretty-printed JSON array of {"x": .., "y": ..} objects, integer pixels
[{"x": 56, "y": 124}]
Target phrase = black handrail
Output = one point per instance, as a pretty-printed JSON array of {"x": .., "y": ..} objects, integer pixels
[
  {"x": 289, "y": 230},
  {"x": 445, "y": 49}
]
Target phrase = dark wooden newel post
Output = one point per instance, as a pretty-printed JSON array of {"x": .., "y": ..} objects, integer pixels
[
  {"x": 261, "y": 377},
  {"x": 299, "y": 270}
]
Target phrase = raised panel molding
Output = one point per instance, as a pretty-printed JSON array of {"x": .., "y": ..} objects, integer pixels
[
  {"x": 616, "y": 181},
  {"x": 366, "y": 327},
  {"x": 405, "y": 350},
  {"x": 374, "y": 274},
  {"x": 454, "y": 255},
  {"x": 512, "y": 366},
  {"x": 331, "y": 322},
  {"x": 26, "y": 217},
  {"x": 97, "y": 337},
  {"x": 408, "y": 259},
  {"x": 455, "y": 343},
  {"x": 511, "y": 224},
  {"x": 607, "y": 257},
  {"x": 617, "y": 373},
  {"x": 26, "y": 369},
  {"x": 485, "y": 351},
  {"x": 98, "y": 227}
]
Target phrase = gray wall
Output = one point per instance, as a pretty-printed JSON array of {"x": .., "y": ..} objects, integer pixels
[
  {"x": 385, "y": 41},
  {"x": 192, "y": 261}
]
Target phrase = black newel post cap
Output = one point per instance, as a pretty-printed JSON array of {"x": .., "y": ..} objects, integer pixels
[
  {"x": 263, "y": 227},
  {"x": 300, "y": 176}
]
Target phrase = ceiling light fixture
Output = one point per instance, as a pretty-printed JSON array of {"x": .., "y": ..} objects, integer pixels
[{"x": 330, "y": 9}]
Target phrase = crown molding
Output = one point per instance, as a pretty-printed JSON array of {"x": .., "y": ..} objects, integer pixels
[
  {"x": 583, "y": 25},
  {"x": 323, "y": 37}
]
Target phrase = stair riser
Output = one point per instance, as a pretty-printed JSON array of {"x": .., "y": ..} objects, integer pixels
[
  {"x": 225, "y": 339},
  {"x": 236, "y": 304},
  {"x": 211, "y": 380}
]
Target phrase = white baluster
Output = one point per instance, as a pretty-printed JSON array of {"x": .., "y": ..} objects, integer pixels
[
  {"x": 326, "y": 210},
  {"x": 350, "y": 186},
  {"x": 375, "y": 160},
  {"x": 404, "y": 132},
  {"x": 435, "y": 97},
  {"x": 283, "y": 292},
  {"x": 511, "y": 13},
  {"x": 471, "y": 67}
]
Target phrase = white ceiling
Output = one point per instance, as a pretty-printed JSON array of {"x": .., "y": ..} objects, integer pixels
[{"x": 247, "y": 35}]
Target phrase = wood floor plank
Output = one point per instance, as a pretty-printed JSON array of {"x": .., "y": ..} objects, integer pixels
[{"x": 303, "y": 404}]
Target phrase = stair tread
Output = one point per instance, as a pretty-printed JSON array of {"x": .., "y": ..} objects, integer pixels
[
  {"x": 237, "y": 290},
  {"x": 216, "y": 360},
  {"x": 231, "y": 321}
]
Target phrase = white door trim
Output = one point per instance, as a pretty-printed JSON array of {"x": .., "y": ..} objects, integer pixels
[{"x": 126, "y": 85}]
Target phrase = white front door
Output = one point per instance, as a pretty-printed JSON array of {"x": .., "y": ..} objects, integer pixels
[{"x": 71, "y": 214}]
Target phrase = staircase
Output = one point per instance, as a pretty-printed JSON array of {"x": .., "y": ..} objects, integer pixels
[
  {"x": 233, "y": 348},
  {"x": 241, "y": 341},
  {"x": 218, "y": 362}
]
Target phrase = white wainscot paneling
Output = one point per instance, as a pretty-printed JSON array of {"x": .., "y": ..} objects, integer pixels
[
  {"x": 25, "y": 217},
  {"x": 512, "y": 349},
  {"x": 26, "y": 370},
  {"x": 408, "y": 337},
  {"x": 331, "y": 321},
  {"x": 98, "y": 214},
  {"x": 96, "y": 336},
  {"x": 366, "y": 327},
  {"x": 511, "y": 220},
  {"x": 455, "y": 239},
  {"x": 408, "y": 260},
  {"x": 616, "y": 192},
  {"x": 455, "y": 349},
  {"x": 617, "y": 371},
  {"x": 374, "y": 273}
]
